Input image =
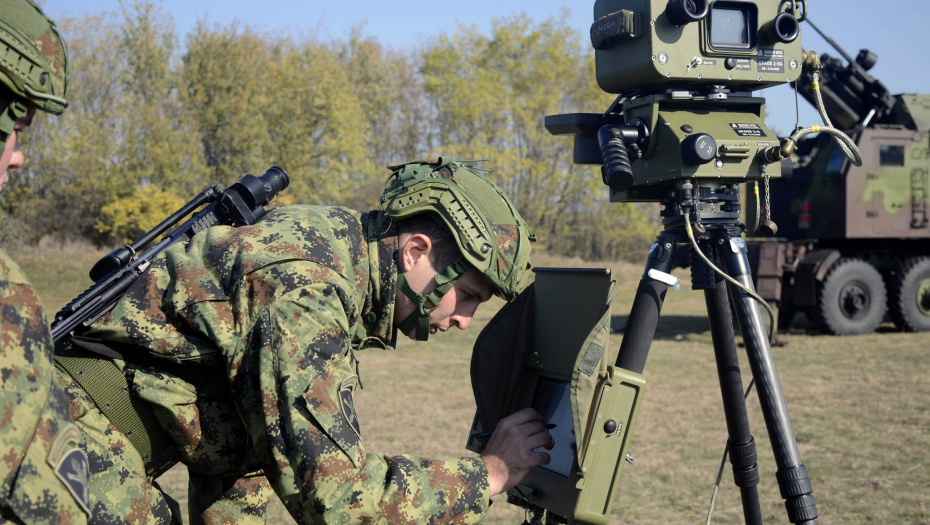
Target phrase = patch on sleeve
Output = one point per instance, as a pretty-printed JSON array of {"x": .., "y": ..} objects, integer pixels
[
  {"x": 348, "y": 406},
  {"x": 73, "y": 472}
]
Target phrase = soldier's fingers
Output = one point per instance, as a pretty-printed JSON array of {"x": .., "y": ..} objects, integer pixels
[
  {"x": 524, "y": 416},
  {"x": 540, "y": 458},
  {"x": 543, "y": 440},
  {"x": 551, "y": 443},
  {"x": 530, "y": 429}
]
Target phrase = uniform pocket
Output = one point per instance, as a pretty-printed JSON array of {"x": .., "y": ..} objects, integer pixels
[
  {"x": 330, "y": 400},
  {"x": 206, "y": 431}
]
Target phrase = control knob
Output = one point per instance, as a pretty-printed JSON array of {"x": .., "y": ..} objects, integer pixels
[{"x": 698, "y": 149}]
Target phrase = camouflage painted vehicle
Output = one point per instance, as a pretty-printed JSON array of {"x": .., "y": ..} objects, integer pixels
[{"x": 853, "y": 241}]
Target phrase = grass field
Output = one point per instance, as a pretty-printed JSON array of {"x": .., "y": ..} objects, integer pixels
[{"x": 860, "y": 407}]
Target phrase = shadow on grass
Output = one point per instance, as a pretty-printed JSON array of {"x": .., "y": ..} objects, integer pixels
[
  {"x": 802, "y": 325},
  {"x": 670, "y": 327}
]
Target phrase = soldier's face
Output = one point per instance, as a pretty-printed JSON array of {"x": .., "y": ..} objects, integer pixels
[
  {"x": 457, "y": 306},
  {"x": 13, "y": 157}
]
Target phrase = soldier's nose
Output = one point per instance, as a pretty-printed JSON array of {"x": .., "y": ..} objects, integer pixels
[
  {"x": 16, "y": 159},
  {"x": 462, "y": 322}
]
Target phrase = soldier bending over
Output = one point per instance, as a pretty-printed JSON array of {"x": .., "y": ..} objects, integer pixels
[{"x": 241, "y": 345}]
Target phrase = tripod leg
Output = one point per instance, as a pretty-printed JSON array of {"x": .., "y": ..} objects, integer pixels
[
  {"x": 793, "y": 480},
  {"x": 741, "y": 445},
  {"x": 644, "y": 316}
]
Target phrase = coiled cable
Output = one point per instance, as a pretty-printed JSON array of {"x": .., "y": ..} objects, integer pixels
[{"x": 847, "y": 146}]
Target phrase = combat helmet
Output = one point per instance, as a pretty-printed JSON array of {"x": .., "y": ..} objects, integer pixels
[
  {"x": 487, "y": 227},
  {"x": 33, "y": 63}
]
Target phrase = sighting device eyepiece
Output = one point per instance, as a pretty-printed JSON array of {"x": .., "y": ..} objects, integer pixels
[
  {"x": 684, "y": 72},
  {"x": 784, "y": 28},
  {"x": 681, "y": 12},
  {"x": 242, "y": 204},
  {"x": 259, "y": 191}
]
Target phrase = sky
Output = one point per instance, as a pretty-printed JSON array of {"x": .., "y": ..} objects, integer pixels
[{"x": 895, "y": 30}]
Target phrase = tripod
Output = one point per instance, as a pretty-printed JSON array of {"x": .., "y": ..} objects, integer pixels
[{"x": 714, "y": 210}]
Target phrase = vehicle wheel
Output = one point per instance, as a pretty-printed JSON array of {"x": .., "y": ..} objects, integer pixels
[
  {"x": 851, "y": 298},
  {"x": 909, "y": 295}
]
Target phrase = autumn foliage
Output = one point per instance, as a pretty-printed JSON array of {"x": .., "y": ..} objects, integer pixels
[{"x": 153, "y": 121}]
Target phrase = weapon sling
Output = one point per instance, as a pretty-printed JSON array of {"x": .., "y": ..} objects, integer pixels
[{"x": 109, "y": 388}]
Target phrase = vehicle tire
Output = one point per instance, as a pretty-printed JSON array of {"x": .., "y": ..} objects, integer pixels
[
  {"x": 909, "y": 295},
  {"x": 851, "y": 299}
]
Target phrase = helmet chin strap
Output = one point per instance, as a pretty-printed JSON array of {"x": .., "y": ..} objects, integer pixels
[
  {"x": 15, "y": 111},
  {"x": 419, "y": 318}
]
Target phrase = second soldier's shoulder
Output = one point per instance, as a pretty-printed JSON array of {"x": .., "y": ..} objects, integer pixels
[
  {"x": 10, "y": 271},
  {"x": 17, "y": 295}
]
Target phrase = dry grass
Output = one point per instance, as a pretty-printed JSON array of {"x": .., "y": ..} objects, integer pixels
[
  {"x": 860, "y": 408},
  {"x": 58, "y": 271}
]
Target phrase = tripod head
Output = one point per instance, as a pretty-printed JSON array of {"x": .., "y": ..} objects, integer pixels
[{"x": 685, "y": 71}]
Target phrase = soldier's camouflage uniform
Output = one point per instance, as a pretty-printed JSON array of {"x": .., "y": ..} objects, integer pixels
[
  {"x": 46, "y": 461},
  {"x": 255, "y": 329},
  {"x": 43, "y": 470}
]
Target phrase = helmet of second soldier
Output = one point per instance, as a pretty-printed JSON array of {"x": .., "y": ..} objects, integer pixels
[
  {"x": 33, "y": 63},
  {"x": 487, "y": 227}
]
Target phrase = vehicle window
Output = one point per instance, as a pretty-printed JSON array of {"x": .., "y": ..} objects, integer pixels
[{"x": 891, "y": 156}]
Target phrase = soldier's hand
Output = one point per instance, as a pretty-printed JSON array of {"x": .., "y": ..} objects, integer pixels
[{"x": 510, "y": 454}]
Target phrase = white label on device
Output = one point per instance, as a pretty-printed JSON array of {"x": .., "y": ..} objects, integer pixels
[{"x": 663, "y": 277}]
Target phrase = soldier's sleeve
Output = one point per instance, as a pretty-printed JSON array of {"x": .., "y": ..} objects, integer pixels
[
  {"x": 305, "y": 420},
  {"x": 218, "y": 500}
]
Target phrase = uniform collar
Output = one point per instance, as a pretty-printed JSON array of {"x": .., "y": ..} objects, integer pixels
[{"x": 378, "y": 313}]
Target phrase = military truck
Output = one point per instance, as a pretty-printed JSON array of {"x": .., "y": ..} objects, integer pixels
[{"x": 853, "y": 242}]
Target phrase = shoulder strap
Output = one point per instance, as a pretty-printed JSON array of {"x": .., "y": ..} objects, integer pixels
[{"x": 110, "y": 390}]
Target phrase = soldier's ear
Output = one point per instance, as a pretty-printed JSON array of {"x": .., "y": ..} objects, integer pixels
[{"x": 414, "y": 252}]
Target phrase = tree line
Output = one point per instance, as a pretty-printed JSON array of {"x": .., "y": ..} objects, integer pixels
[{"x": 152, "y": 122}]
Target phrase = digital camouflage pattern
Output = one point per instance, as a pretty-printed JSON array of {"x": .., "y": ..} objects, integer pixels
[
  {"x": 240, "y": 500},
  {"x": 33, "y": 57},
  {"x": 257, "y": 327},
  {"x": 42, "y": 468},
  {"x": 118, "y": 489}
]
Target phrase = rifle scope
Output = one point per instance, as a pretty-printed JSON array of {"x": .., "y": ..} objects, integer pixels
[{"x": 253, "y": 192}]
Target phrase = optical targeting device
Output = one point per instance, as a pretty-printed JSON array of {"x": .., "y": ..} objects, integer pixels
[
  {"x": 685, "y": 131},
  {"x": 685, "y": 71},
  {"x": 243, "y": 203}
]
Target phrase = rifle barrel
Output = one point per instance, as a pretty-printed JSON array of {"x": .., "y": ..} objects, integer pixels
[
  {"x": 832, "y": 43},
  {"x": 208, "y": 195}
]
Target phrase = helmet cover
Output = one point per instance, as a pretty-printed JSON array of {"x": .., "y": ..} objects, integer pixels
[
  {"x": 33, "y": 62},
  {"x": 487, "y": 227}
]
